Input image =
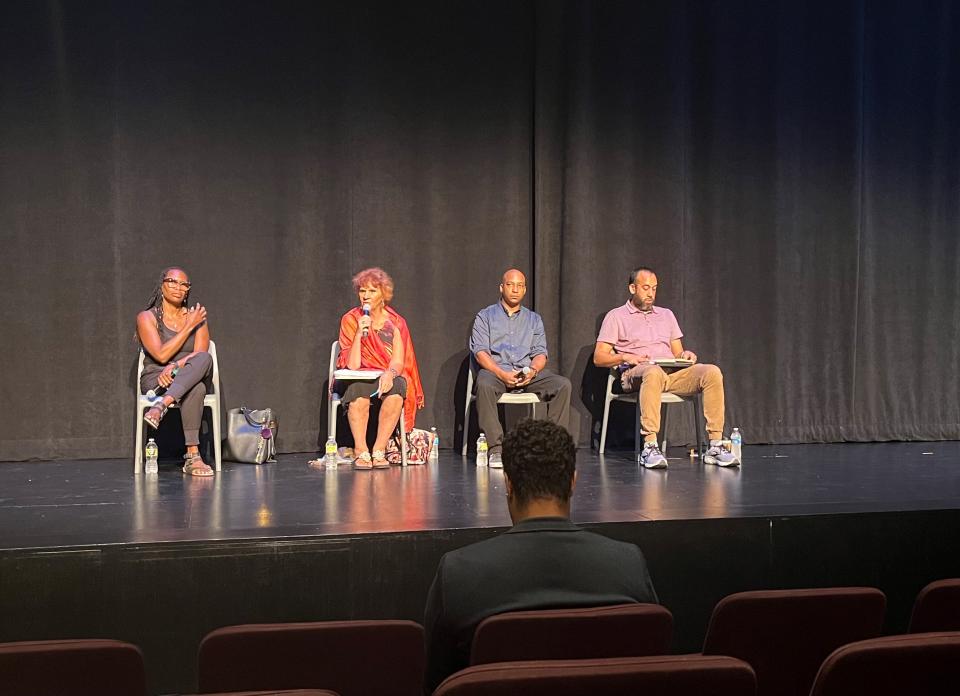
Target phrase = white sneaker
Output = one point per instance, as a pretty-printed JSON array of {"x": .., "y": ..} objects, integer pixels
[
  {"x": 719, "y": 456},
  {"x": 496, "y": 461},
  {"x": 652, "y": 457}
]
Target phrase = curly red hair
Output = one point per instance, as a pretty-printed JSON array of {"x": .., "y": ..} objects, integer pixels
[{"x": 378, "y": 278}]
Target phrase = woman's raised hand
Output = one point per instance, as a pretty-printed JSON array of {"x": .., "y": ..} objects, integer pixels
[
  {"x": 196, "y": 315},
  {"x": 363, "y": 324}
]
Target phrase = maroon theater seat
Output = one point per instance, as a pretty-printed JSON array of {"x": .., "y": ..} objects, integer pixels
[
  {"x": 921, "y": 664},
  {"x": 624, "y": 630},
  {"x": 937, "y": 607},
  {"x": 353, "y": 658},
  {"x": 293, "y": 692},
  {"x": 71, "y": 668},
  {"x": 785, "y": 635},
  {"x": 664, "y": 675}
]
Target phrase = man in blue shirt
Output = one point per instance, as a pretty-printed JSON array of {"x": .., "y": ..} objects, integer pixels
[{"x": 510, "y": 348}]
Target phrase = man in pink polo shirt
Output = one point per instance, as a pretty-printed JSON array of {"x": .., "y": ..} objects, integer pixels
[{"x": 631, "y": 338}]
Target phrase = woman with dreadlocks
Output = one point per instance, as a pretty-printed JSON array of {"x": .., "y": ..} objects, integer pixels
[{"x": 175, "y": 338}]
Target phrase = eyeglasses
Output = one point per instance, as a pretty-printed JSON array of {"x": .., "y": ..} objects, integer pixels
[{"x": 173, "y": 282}]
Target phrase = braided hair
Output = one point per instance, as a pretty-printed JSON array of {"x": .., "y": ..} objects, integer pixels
[{"x": 155, "y": 303}]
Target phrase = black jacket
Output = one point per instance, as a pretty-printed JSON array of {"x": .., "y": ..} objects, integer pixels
[{"x": 540, "y": 563}]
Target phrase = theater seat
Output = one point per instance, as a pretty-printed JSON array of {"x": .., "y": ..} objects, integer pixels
[
  {"x": 353, "y": 658},
  {"x": 624, "y": 630},
  {"x": 666, "y": 675},
  {"x": 293, "y": 692},
  {"x": 71, "y": 668},
  {"x": 937, "y": 607},
  {"x": 921, "y": 664},
  {"x": 786, "y": 634}
]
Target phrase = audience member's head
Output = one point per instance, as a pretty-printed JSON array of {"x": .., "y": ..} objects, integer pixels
[{"x": 539, "y": 463}]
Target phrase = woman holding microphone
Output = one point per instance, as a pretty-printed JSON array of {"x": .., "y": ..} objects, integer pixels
[{"x": 373, "y": 336}]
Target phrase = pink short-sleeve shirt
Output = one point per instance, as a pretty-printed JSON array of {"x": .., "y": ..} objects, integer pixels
[{"x": 629, "y": 330}]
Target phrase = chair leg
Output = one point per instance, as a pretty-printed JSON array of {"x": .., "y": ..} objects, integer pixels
[
  {"x": 603, "y": 426},
  {"x": 700, "y": 423},
  {"x": 466, "y": 425},
  {"x": 138, "y": 447},
  {"x": 332, "y": 417},
  {"x": 637, "y": 432},
  {"x": 403, "y": 439},
  {"x": 664, "y": 410},
  {"x": 217, "y": 445}
]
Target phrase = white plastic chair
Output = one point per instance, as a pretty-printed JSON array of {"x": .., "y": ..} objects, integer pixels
[
  {"x": 211, "y": 401},
  {"x": 634, "y": 398},
  {"x": 505, "y": 398},
  {"x": 333, "y": 403}
]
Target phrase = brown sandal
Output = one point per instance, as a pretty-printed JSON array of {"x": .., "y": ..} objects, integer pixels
[
  {"x": 195, "y": 466},
  {"x": 380, "y": 460},
  {"x": 156, "y": 413}
]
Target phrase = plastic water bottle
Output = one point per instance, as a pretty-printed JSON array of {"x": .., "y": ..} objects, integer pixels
[
  {"x": 736, "y": 444},
  {"x": 330, "y": 452},
  {"x": 482, "y": 450},
  {"x": 153, "y": 453},
  {"x": 435, "y": 446}
]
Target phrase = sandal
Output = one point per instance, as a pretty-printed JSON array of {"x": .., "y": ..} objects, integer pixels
[
  {"x": 195, "y": 466},
  {"x": 380, "y": 460},
  {"x": 155, "y": 414},
  {"x": 362, "y": 461}
]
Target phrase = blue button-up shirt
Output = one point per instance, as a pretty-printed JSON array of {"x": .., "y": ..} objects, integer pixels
[{"x": 513, "y": 341}]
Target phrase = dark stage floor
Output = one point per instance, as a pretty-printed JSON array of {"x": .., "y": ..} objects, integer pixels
[{"x": 87, "y": 503}]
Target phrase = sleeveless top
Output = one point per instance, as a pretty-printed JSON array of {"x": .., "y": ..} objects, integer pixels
[{"x": 151, "y": 366}]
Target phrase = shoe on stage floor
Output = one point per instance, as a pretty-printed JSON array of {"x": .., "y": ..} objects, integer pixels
[
  {"x": 719, "y": 456},
  {"x": 652, "y": 457}
]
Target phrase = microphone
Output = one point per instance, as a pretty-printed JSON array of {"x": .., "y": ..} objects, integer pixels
[
  {"x": 366, "y": 313},
  {"x": 159, "y": 391}
]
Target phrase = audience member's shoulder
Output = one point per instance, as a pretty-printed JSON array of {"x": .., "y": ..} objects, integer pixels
[
  {"x": 478, "y": 558},
  {"x": 612, "y": 545}
]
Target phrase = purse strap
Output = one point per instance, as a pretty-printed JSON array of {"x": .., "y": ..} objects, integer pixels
[{"x": 251, "y": 421}]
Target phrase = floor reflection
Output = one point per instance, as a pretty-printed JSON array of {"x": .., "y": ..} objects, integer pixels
[{"x": 94, "y": 502}]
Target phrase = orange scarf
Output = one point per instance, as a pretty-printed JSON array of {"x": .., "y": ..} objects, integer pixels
[{"x": 376, "y": 355}]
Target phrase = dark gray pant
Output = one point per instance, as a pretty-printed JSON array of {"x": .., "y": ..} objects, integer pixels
[
  {"x": 550, "y": 387},
  {"x": 188, "y": 389}
]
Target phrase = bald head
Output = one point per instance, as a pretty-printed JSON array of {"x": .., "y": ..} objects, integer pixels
[{"x": 513, "y": 286}]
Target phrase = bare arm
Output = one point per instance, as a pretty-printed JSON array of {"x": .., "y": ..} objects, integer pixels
[
  {"x": 676, "y": 347},
  {"x": 353, "y": 357},
  {"x": 201, "y": 343},
  {"x": 162, "y": 351},
  {"x": 485, "y": 361},
  {"x": 396, "y": 363},
  {"x": 605, "y": 356}
]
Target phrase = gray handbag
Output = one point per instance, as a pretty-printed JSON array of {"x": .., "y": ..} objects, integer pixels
[{"x": 251, "y": 435}]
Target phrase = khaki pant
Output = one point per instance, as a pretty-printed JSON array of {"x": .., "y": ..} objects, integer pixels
[{"x": 652, "y": 381}]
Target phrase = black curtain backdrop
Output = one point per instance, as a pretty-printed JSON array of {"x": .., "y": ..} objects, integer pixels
[{"x": 789, "y": 168}]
